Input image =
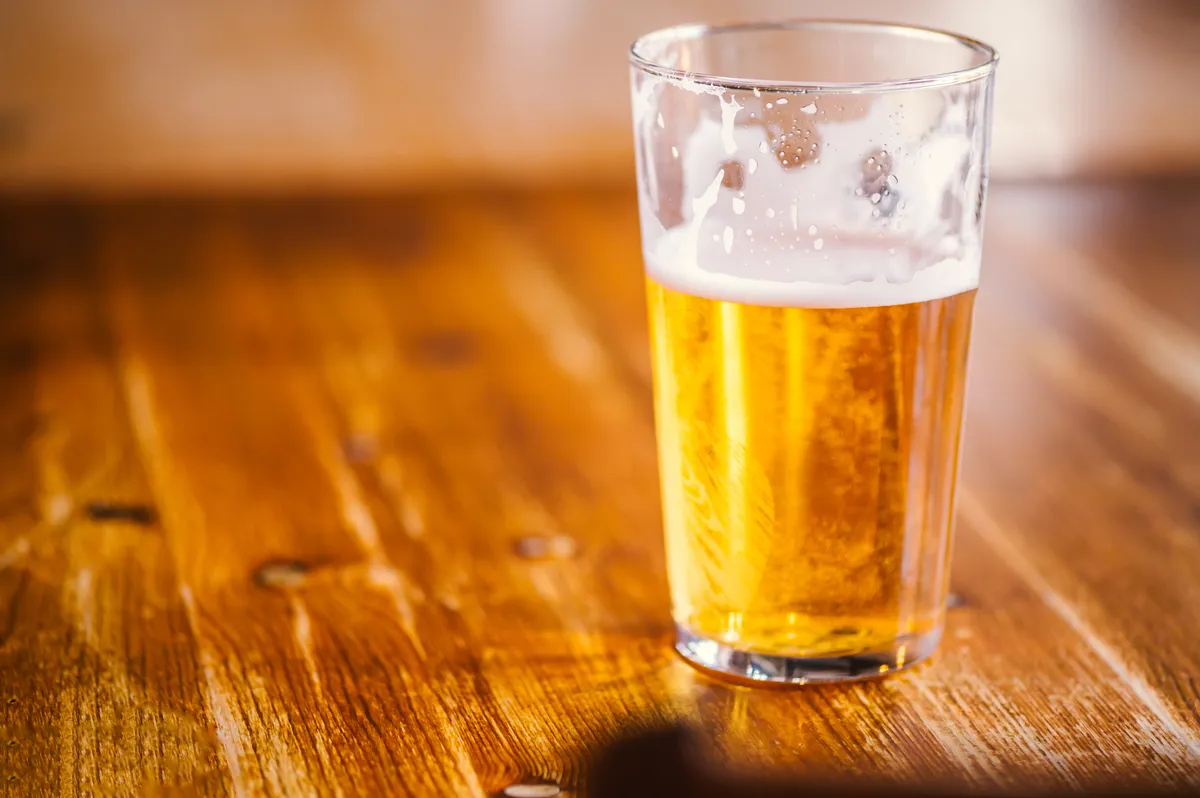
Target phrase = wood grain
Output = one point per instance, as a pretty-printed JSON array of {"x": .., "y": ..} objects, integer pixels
[{"x": 330, "y": 498}]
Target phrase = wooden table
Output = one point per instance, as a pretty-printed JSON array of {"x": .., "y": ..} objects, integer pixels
[{"x": 340, "y": 497}]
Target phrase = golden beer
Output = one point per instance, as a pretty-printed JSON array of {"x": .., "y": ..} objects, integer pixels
[{"x": 808, "y": 459}]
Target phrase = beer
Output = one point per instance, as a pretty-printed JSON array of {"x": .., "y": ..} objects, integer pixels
[{"x": 808, "y": 455}]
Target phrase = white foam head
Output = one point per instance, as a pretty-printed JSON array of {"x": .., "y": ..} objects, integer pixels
[{"x": 837, "y": 275}]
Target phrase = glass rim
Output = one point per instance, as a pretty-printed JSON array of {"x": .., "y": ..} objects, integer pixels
[{"x": 698, "y": 30}]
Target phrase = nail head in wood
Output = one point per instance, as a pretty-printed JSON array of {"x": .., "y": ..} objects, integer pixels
[
  {"x": 532, "y": 790},
  {"x": 282, "y": 574},
  {"x": 360, "y": 448},
  {"x": 544, "y": 547},
  {"x": 445, "y": 348},
  {"x": 140, "y": 514}
]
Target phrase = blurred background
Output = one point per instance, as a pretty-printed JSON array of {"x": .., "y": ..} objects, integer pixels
[{"x": 132, "y": 97}]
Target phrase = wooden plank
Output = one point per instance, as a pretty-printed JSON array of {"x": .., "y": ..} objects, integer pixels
[
  {"x": 425, "y": 357},
  {"x": 1084, "y": 463},
  {"x": 29, "y": 603},
  {"x": 211, "y": 386},
  {"x": 100, "y": 691},
  {"x": 405, "y": 533},
  {"x": 593, "y": 243}
]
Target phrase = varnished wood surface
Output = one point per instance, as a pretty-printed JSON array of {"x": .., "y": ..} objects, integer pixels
[{"x": 339, "y": 498}]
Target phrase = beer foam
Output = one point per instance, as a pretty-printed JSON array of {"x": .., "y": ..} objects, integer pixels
[
  {"x": 833, "y": 276},
  {"x": 833, "y": 228}
]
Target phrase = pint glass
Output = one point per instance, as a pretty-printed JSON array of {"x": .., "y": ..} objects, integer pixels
[{"x": 811, "y": 200}]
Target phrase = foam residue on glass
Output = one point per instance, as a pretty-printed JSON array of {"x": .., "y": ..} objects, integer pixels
[{"x": 767, "y": 215}]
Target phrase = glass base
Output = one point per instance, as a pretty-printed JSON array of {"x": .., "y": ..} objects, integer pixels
[{"x": 725, "y": 662}]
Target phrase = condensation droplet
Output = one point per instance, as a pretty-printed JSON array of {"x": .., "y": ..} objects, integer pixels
[
  {"x": 781, "y": 101},
  {"x": 674, "y": 151},
  {"x": 739, "y": 206},
  {"x": 812, "y": 229},
  {"x": 727, "y": 240},
  {"x": 770, "y": 213},
  {"x": 876, "y": 197},
  {"x": 770, "y": 106},
  {"x": 809, "y": 109},
  {"x": 752, "y": 165},
  {"x": 661, "y": 122},
  {"x": 818, "y": 243},
  {"x": 763, "y": 147},
  {"x": 892, "y": 179}
]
